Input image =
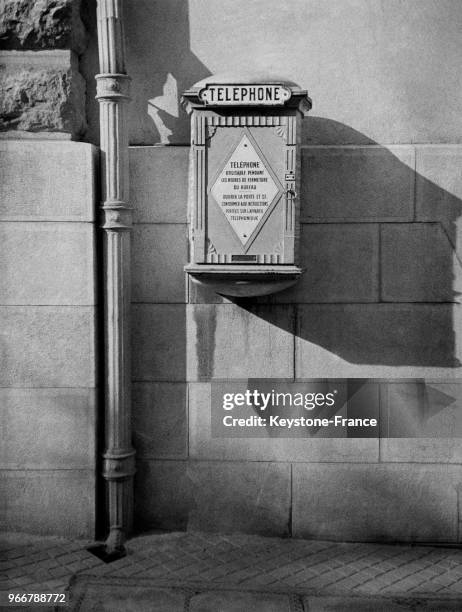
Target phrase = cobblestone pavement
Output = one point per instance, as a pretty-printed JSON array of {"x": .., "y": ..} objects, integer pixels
[{"x": 189, "y": 571}]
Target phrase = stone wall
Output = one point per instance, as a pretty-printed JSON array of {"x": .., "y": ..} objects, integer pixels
[
  {"x": 381, "y": 206},
  {"x": 48, "y": 383},
  {"x": 42, "y": 88},
  {"x": 48, "y": 310},
  {"x": 379, "y": 299}
]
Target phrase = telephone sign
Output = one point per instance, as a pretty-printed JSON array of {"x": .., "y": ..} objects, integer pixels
[{"x": 245, "y": 183}]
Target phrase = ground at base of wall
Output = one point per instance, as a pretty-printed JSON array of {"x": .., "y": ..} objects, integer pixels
[{"x": 231, "y": 573}]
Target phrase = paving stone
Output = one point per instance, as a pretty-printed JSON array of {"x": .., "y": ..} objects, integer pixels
[
  {"x": 161, "y": 572},
  {"x": 15, "y": 554},
  {"x": 357, "y": 184},
  {"x": 419, "y": 264},
  {"x": 160, "y": 420},
  {"x": 41, "y": 575},
  {"x": 48, "y": 563},
  {"x": 337, "y": 573},
  {"x": 378, "y": 341},
  {"x": 213, "y": 601},
  {"x": 159, "y": 253},
  {"x": 58, "y": 551},
  {"x": 38, "y": 192},
  {"x": 14, "y": 572},
  {"x": 260, "y": 345},
  {"x": 161, "y": 178},
  {"x": 60, "y": 572},
  {"x": 399, "y": 502},
  {"x": 440, "y": 605},
  {"x": 141, "y": 599},
  {"x": 355, "y": 604},
  {"x": 244, "y": 574},
  {"x": 48, "y": 346},
  {"x": 57, "y": 586},
  {"x": 48, "y": 428}
]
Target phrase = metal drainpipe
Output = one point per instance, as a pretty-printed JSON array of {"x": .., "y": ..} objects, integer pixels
[{"x": 113, "y": 96}]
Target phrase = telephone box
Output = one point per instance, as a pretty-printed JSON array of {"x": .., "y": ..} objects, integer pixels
[{"x": 245, "y": 183}]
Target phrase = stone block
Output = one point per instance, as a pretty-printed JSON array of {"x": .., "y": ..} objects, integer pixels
[
  {"x": 46, "y": 24},
  {"x": 237, "y": 341},
  {"x": 160, "y": 424},
  {"x": 423, "y": 422},
  {"x": 357, "y": 184},
  {"x": 48, "y": 346},
  {"x": 353, "y": 603},
  {"x": 160, "y": 253},
  {"x": 162, "y": 495},
  {"x": 159, "y": 342},
  {"x": 55, "y": 502},
  {"x": 440, "y": 604},
  {"x": 341, "y": 265},
  {"x": 42, "y": 92},
  {"x": 47, "y": 263},
  {"x": 32, "y": 190},
  {"x": 203, "y": 446},
  {"x": 419, "y": 264},
  {"x": 48, "y": 428},
  {"x": 233, "y": 601},
  {"x": 110, "y": 597},
  {"x": 393, "y": 502},
  {"x": 161, "y": 178},
  {"x": 378, "y": 341},
  {"x": 439, "y": 183},
  {"x": 213, "y": 496}
]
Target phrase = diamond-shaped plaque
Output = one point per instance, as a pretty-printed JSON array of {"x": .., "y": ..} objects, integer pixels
[{"x": 244, "y": 190}]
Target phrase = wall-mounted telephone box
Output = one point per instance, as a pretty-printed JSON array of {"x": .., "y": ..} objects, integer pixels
[{"x": 245, "y": 183}]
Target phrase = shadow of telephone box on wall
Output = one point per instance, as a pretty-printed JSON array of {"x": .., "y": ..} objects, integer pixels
[{"x": 245, "y": 183}]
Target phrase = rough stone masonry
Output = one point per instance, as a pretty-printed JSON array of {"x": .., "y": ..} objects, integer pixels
[{"x": 42, "y": 89}]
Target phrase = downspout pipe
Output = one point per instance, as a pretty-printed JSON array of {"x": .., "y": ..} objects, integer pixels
[{"x": 116, "y": 216}]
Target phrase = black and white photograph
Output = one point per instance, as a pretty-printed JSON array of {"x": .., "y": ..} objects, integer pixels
[{"x": 230, "y": 305}]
